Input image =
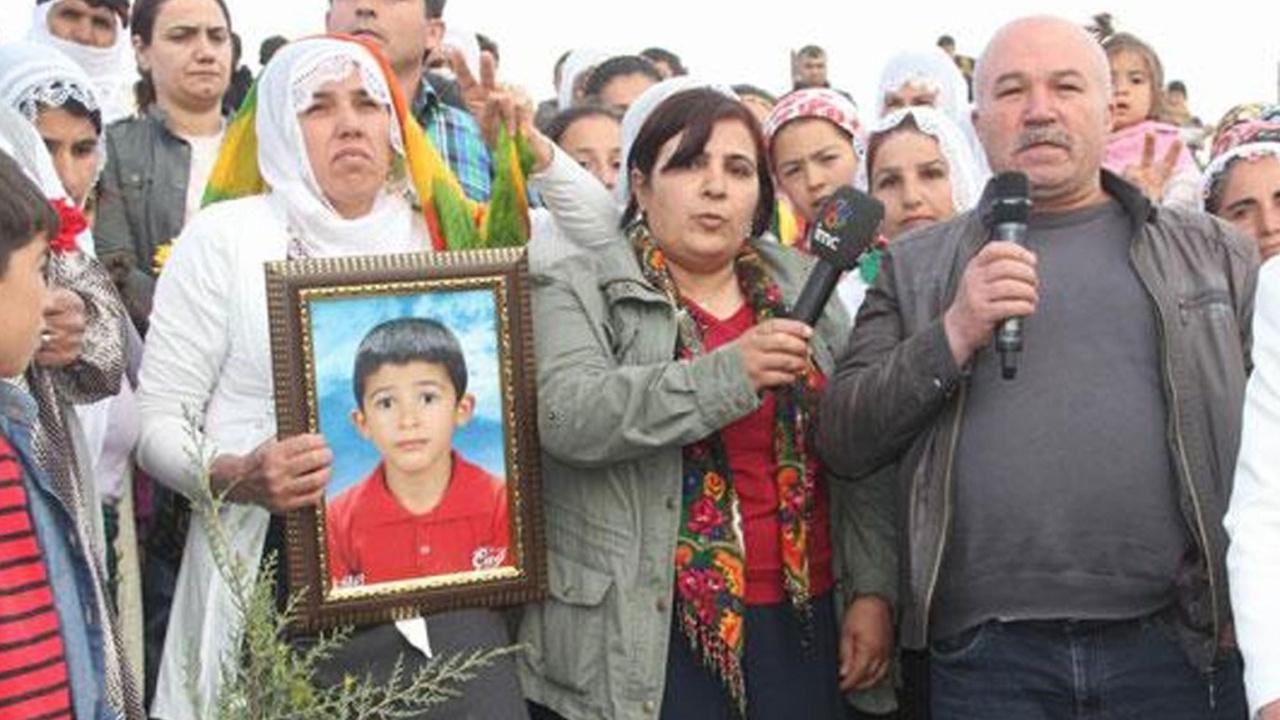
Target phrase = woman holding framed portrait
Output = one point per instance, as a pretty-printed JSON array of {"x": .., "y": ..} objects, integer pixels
[
  {"x": 323, "y": 161},
  {"x": 694, "y": 542}
]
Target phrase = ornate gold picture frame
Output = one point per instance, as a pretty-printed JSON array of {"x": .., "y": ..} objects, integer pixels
[{"x": 418, "y": 371}]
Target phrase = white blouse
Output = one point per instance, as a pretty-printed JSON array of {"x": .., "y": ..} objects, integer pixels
[{"x": 1253, "y": 520}]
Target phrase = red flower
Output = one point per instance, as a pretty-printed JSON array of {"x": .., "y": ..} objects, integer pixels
[
  {"x": 704, "y": 516},
  {"x": 72, "y": 223},
  {"x": 689, "y": 585}
]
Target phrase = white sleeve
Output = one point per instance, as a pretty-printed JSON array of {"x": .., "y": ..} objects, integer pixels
[
  {"x": 186, "y": 346},
  {"x": 1183, "y": 190},
  {"x": 1253, "y": 520},
  {"x": 584, "y": 209}
]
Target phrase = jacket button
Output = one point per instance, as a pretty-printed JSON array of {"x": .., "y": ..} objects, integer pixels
[
  {"x": 650, "y": 707},
  {"x": 671, "y": 503},
  {"x": 660, "y": 606}
]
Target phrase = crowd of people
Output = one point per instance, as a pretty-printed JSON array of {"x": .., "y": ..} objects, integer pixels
[{"x": 747, "y": 516}]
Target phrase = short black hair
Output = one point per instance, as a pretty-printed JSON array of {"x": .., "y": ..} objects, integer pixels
[
  {"x": 811, "y": 51},
  {"x": 560, "y": 122},
  {"x": 435, "y": 9},
  {"x": 616, "y": 67},
  {"x": 270, "y": 47},
  {"x": 488, "y": 44},
  {"x": 560, "y": 64},
  {"x": 945, "y": 41},
  {"x": 24, "y": 211},
  {"x": 1177, "y": 86},
  {"x": 405, "y": 340},
  {"x": 745, "y": 89},
  {"x": 662, "y": 55}
]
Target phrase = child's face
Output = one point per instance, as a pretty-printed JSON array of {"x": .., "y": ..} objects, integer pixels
[
  {"x": 23, "y": 288},
  {"x": 409, "y": 413},
  {"x": 1130, "y": 88}
]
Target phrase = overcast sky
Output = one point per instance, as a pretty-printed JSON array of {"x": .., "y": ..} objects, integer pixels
[{"x": 1226, "y": 52}]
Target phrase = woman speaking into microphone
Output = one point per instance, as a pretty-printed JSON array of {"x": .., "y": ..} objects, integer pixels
[{"x": 695, "y": 541}]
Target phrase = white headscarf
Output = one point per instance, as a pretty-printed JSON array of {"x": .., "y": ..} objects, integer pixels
[
  {"x": 966, "y": 180},
  {"x": 579, "y": 61},
  {"x": 935, "y": 70},
  {"x": 112, "y": 68},
  {"x": 640, "y": 110},
  {"x": 20, "y": 141},
  {"x": 286, "y": 88},
  {"x": 34, "y": 76}
]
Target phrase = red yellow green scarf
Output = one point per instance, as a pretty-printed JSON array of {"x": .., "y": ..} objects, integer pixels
[
  {"x": 454, "y": 221},
  {"x": 709, "y": 561}
]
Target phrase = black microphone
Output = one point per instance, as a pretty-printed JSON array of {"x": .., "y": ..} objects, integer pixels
[
  {"x": 846, "y": 227},
  {"x": 1009, "y": 224}
]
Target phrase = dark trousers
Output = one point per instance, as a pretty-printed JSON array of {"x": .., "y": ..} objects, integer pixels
[
  {"x": 784, "y": 680},
  {"x": 494, "y": 694},
  {"x": 1060, "y": 670}
]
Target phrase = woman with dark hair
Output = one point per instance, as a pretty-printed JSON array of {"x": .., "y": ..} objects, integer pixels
[
  {"x": 690, "y": 547},
  {"x": 157, "y": 163}
]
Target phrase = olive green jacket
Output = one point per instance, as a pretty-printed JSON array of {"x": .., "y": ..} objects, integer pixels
[{"x": 615, "y": 411}]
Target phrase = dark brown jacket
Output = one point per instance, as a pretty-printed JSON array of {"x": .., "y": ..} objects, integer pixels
[{"x": 898, "y": 396}]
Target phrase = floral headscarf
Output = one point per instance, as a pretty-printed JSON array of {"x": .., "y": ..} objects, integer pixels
[{"x": 1247, "y": 131}]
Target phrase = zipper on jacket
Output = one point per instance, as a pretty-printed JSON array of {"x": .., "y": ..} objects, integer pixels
[
  {"x": 946, "y": 508},
  {"x": 1180, "y": 446}
]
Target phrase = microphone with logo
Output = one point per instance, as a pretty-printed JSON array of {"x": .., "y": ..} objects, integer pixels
[
  {"x": 847, "y": 225},
  {"x": 1009, "y": 215}
]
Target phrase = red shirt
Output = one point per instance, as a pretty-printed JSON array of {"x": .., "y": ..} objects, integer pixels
[
  {"x": 372, "y": 538},
  {"x": 33, "y": 666},
  {"x": 748, "y": 442}
]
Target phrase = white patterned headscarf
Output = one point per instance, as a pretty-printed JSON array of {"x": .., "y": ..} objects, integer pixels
[
  {"x": 286, "y": 89},
  {"x": 966, "y": 180},
  {"x": 934, "y": 70},
  {"x": 20, "y": 141},
  {"x": 111, "y": 69},
  {"x": 34, "y": 77},
  {"x": 640, "y": 110}
]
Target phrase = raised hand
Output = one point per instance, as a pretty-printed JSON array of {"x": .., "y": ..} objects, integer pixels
[{"x": 1151, "y": 175}]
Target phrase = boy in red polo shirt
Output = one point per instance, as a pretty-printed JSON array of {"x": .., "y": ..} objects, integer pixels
[{"x": 425, "y": 510}]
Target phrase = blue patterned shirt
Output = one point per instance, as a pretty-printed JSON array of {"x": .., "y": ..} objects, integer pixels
[{"x": 457, "y": 136}]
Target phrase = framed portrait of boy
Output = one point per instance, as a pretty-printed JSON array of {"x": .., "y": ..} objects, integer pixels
[{"x": 418, "y": 371}]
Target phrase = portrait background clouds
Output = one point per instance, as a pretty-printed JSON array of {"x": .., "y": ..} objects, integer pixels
[{"x": 337, "y": 327}]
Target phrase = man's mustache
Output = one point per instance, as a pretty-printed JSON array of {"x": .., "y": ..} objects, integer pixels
[{"x": 1044, "y": 136}]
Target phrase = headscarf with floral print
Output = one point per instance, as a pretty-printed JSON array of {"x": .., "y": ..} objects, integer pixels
[{"x": 1247, "y": 131}]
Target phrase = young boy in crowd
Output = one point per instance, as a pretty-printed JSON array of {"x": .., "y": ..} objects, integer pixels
[
  {"x": 50, "y": 655},
  {"x": 424, "y": 510}
]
